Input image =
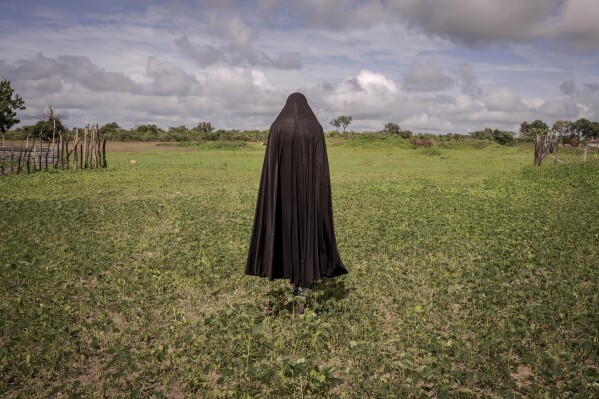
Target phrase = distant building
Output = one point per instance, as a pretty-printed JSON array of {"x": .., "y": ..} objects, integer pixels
[{"x": 593, "y": 143}]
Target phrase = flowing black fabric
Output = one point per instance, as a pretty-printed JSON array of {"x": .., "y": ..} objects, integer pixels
[{"x": 293, "y": 235}]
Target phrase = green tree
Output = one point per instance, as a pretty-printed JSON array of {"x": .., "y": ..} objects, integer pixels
[
  {"x": 342, "y": 121},
  {"x": 392, "y": 128},
  {"x": 110, "y": 129},
  {"x": 49, "y": 126},
  {"x": 9, "y": 106},
  {"x": 503, "y": 137},
  {"x": 151, "y": 130},
  {"x": 205, "y": 127},
  {"x": 178, "y": 129},
  {"x": 486, "y": 134},
  {"x": 562, "y": 130},
  {"x": 529, "y": 131},
  {"x": 405, "y": 134},
  {"x": 585, "y": 129}
]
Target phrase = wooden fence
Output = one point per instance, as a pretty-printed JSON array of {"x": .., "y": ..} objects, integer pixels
[{"x": 86, "y": 149}]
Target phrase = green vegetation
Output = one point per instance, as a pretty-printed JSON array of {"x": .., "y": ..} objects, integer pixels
[
  {"x": 472, "y": 274},
  {"x": 566, "y": 131},
  {"x": 342, "y": 121},
  {"x": 9, "y": 105},
  {"x": 499, "y": 136},
  {"x": 204, "y": 131}
]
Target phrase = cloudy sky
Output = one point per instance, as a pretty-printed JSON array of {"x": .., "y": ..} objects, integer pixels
[{"x": 428, "y": 65}]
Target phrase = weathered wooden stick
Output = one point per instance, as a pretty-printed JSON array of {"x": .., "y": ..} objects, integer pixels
[
  {"x": 97, "y": 147},
  {"x": 584, "y": 153},
  {"x": 34, "y": 155},
  {"x": 67, "y": 152},
  {"x": 91, "y": 147},
  {"x": 28, "y": 154},
  {"x": 104, "y": 153},
  {"x": 47, "y": 152},
  {"x": 20, "y": 158},
  {"x": 12, "y": 159},
  {"x": 56, "y": 152},
  {"x": 25, "y": 158},
  {"x": 62, "y": 142},
  {"x": 53, "y": 129},
  {"x": 98, "y": 154},
  {"x": 39, "y": 159},
  {"x": 85, "y": 146},
  {"x": 74, "y": 149},
  {"x": 53, "y": 143},
  {"x": 75, "y": 156},
  {"x": 92, "y": 156}
]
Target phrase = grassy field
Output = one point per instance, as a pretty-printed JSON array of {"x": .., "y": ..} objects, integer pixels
[{"x": 471, "y": 274}]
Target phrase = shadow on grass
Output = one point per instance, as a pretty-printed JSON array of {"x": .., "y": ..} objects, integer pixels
[{"x": 323, "y": 297}]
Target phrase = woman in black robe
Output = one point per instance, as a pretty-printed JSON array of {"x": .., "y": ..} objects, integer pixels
[{"x": 293, "y": 235}]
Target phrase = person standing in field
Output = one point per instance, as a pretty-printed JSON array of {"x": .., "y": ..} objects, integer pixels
[{"x": 293, "y": 236}]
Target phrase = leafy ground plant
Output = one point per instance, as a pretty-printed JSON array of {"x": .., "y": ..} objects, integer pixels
[{"x": 472, "y": 274}]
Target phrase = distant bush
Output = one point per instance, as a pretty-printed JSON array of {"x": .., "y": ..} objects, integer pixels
[
  {"x": 202, "y": 132},
  {"x": 405, "y": 134},
  {"x": 502, "y": 137}
]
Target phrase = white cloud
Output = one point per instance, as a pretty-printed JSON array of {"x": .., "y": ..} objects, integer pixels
[
  {"x": 77, "y": 69},
  {"x": 237, "y": 52},
  {"x": 559, "y": 109},
  {"x": 427, "y": 77},
  {"x": 503, "y": 99},
  {"x": 169, "y": 79}
]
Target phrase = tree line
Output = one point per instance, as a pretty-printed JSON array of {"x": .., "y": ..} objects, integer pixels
[{"x": 568, "y": 132}]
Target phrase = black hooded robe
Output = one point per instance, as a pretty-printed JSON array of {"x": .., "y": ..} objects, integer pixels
[{"x": 293, "y": 236}]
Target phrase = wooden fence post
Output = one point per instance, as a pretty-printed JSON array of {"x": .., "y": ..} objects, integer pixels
[
  {"x": 85, "y": 146},
  {"x": 61, "y": 153},
  {"x": 104, "y": 153},
  {"x": 98, "y": 159},
  {"x": 39, "y": 159},
  {"x": 92, "y": 155},
  {"x": 12, "y": 159},
  {"x": 67, "y": 152}
]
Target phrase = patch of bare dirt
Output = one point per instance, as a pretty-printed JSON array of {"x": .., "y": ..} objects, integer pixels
[{"x": 521, "y": 376}]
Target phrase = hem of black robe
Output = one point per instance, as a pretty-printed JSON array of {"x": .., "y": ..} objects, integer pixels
[{"x": 339, "y": 270}]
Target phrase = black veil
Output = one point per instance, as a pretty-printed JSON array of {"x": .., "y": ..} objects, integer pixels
[{"x": 293, "y": 235}]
